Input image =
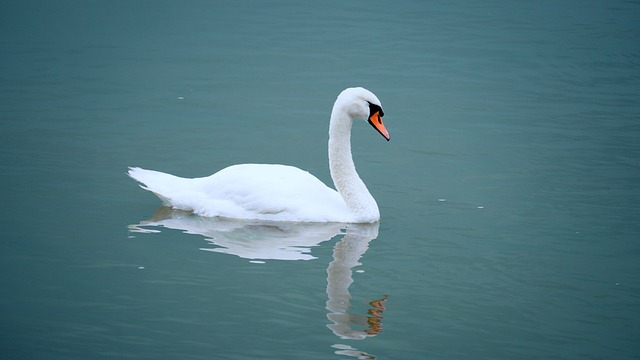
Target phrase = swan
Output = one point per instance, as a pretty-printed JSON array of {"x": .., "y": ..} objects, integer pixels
[{"x": 272, "y": 192}]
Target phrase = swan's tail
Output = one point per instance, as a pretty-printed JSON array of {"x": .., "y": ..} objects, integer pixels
[{"x": 159, "y": 183}]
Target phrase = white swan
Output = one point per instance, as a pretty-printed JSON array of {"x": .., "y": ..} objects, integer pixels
[{"x": 280, "y": 192}]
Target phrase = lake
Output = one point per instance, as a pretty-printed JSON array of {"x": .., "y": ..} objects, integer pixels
[{"x": 509, "y": 192}]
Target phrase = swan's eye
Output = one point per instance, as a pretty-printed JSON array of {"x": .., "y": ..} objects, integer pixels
[{"x": 373, "y": 108}]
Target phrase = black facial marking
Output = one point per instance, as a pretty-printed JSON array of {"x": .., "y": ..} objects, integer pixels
[{"x": 372, "y": 110}]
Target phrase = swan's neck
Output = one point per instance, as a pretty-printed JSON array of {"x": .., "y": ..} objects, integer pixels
[{"x": 343, "y": 171}]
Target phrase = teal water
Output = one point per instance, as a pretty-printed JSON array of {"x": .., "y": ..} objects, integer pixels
[{"x": 509, "y": 192}]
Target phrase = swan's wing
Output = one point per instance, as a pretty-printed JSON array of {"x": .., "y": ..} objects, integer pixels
[
  {"x": 249, "y": 191},
  {"x": 273, "y": 192}
]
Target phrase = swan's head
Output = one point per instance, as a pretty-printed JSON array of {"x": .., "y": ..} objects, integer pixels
[{"x": 360, "y": 103}]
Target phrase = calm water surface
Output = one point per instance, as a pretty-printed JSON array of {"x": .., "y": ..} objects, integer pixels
[{"x": 509, "y": 192}]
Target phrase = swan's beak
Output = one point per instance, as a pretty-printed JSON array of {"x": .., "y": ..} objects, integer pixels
[{"x": 376, "y": 121}]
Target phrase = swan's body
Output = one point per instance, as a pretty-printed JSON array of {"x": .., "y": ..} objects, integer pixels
[{"x": 280, "y": 192}]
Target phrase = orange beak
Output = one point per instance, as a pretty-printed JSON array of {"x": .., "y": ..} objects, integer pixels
[{"x": 376, "y": 121}]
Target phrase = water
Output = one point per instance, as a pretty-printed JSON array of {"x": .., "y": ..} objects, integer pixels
[{"x": 509, "y": 191}]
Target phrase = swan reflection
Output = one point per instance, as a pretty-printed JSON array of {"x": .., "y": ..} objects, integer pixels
[
  {"x": 259, "y": 240},
  {"x": 253, "y": 240},
  {"x": 346, "y": 255}
]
